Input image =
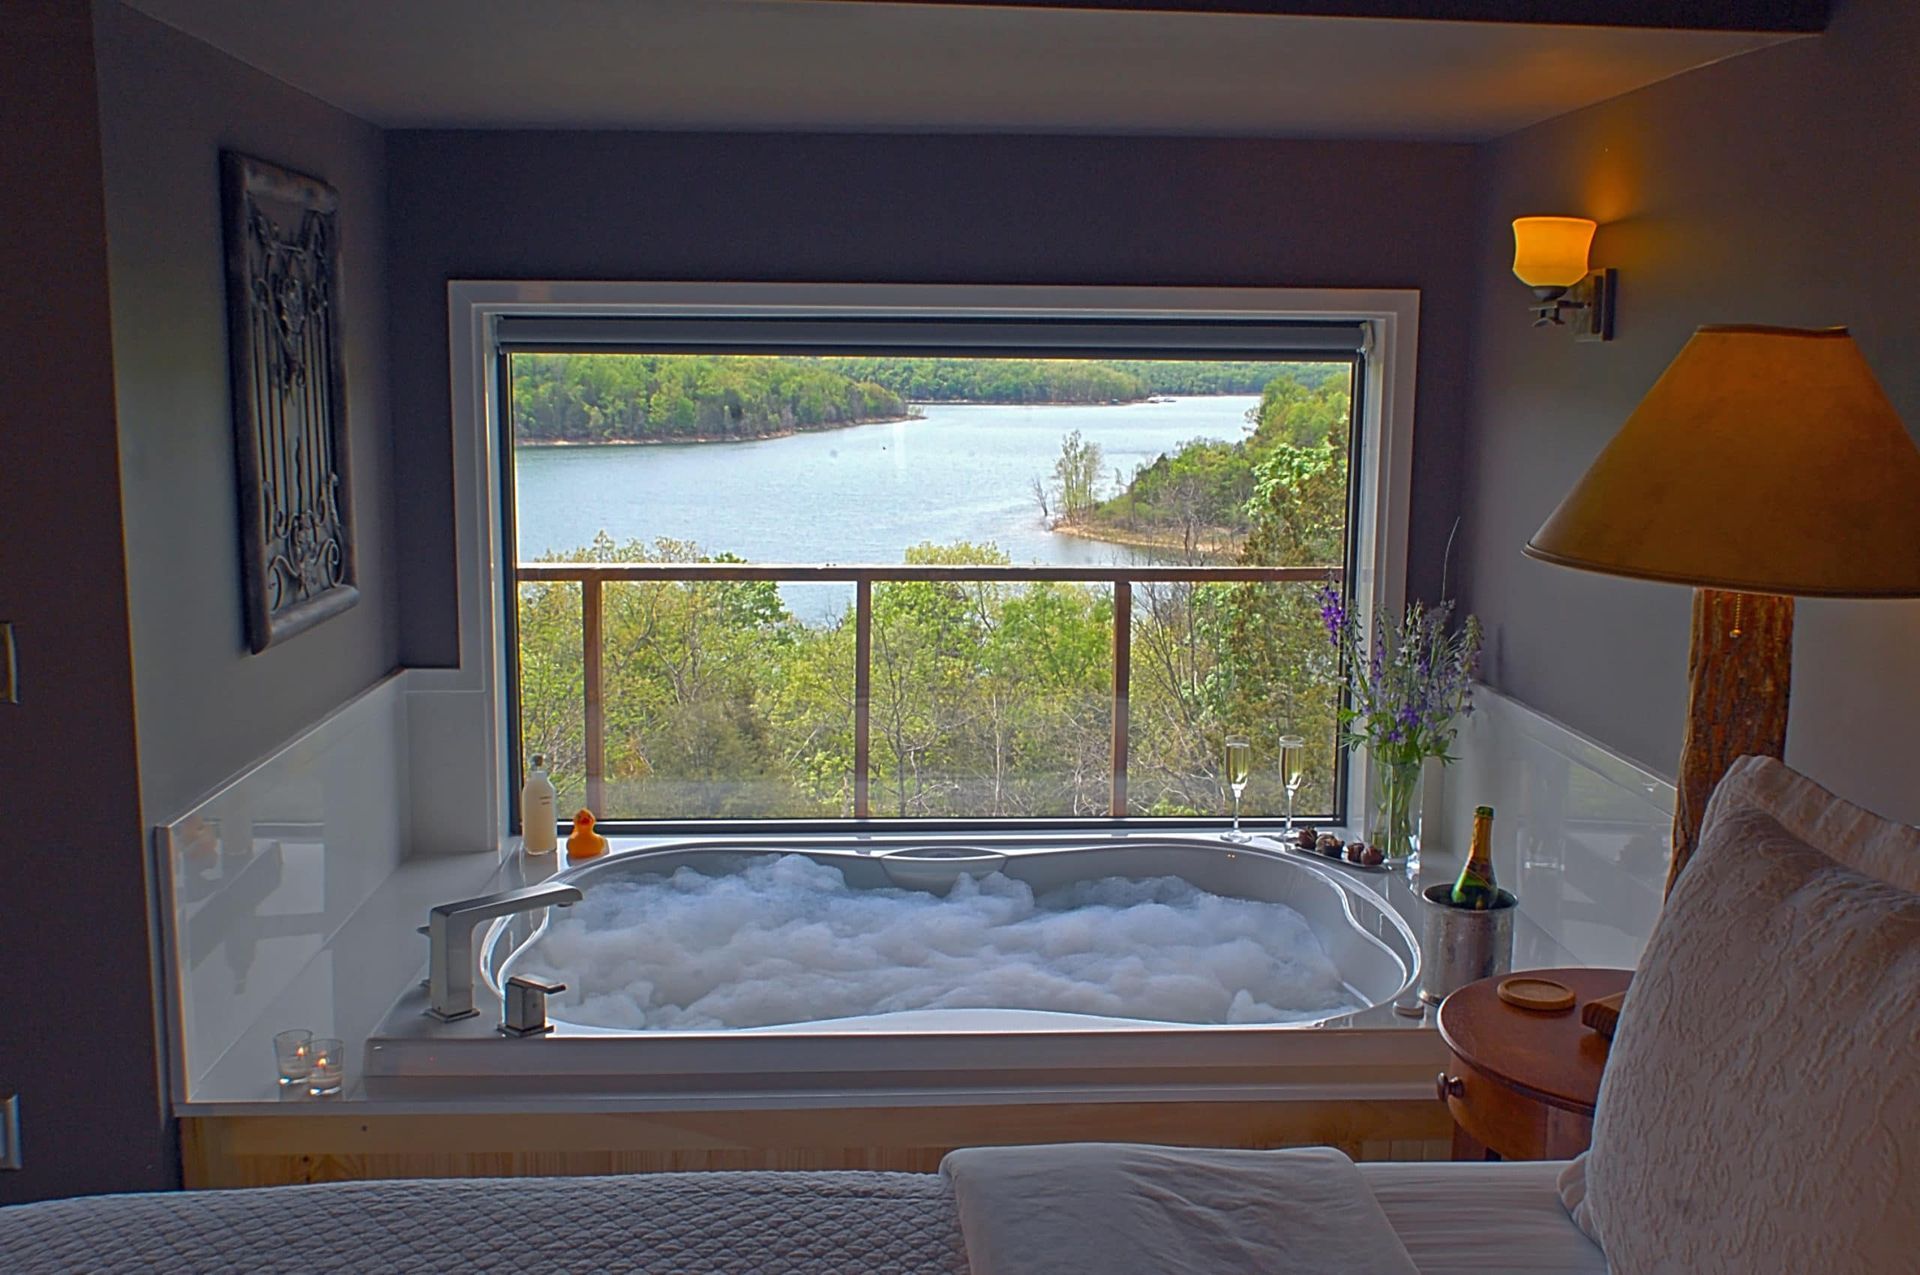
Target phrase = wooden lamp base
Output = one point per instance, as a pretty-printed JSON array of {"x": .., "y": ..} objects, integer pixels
[{"x": 1738, "y": 676}]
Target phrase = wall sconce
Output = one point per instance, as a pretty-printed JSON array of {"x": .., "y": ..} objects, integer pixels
[{"x": 1550, "y": 256}]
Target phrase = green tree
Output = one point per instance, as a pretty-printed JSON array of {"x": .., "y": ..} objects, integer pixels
[
  {"x": 685, "y": 666},
  {"x": 1076, "y": 475}
]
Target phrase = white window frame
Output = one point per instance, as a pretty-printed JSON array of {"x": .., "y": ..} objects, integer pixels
[{"x": 457, "y": 718}]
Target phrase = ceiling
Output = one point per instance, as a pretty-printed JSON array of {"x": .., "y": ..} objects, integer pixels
[{"x": 822, "y": 65}]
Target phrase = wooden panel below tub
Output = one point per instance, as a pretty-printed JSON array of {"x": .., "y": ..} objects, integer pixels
[{"x": 274, "y": 1150}]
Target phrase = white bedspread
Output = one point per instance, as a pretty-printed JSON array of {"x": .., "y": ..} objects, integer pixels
[
  {"x": 648, "y": 1224},
  {"x": 1103, "y": 1208},
  {"x": 1455, "y": 1219}
]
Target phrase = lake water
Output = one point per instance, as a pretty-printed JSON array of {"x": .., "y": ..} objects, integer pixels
[{"x": 863, "y": 494}]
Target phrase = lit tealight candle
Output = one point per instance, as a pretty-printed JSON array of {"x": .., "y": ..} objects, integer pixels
[
  {"x": 325, "y": 1079},
  {"x": 293, "y": 1056}
]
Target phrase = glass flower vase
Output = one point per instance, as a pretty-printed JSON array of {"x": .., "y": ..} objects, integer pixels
[{"x": 1394, "y": 821}]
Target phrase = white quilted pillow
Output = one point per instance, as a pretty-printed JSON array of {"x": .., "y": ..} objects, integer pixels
[
  {"x": 1761, "y": 1108},
  {"x": 1844, "y": 832}
]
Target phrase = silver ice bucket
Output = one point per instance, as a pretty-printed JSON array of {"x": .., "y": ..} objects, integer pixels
[{"x": 1460, "y": 945}]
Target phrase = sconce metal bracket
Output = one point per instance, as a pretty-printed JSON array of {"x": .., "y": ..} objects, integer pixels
[{"x": 1587, "y": 307}]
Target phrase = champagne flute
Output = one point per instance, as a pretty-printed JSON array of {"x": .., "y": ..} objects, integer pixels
[
  {"x": 1239, "y": 765},
  {"x": 1292, "y": 769}
]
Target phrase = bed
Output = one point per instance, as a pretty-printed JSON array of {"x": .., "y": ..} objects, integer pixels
[
  {"x": 1454, "y": 1219},
  {"x": 1759, "y": 1114}
]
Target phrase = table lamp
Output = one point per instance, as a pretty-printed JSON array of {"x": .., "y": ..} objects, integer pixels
[{"x": 1765, "y": 464}]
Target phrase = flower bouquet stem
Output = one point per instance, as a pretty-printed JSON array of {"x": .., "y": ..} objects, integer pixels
[{"x": 1395, "y": 827}]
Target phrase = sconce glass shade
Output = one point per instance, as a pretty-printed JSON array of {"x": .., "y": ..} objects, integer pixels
[
  {"x": 1551, "y": 252},
  {"x": 1766, "y": 460}
]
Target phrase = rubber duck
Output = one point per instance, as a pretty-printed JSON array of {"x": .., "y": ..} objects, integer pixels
[{"x": 583, "y": 842}]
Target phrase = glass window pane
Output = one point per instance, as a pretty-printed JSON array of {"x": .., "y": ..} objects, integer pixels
[{"x": 988, "y": 698}]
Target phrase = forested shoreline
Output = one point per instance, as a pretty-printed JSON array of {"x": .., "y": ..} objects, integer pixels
[
  {"x": 654, "y": 398},
  {"x": 1211, "y": 494},
  {"x": 627, "y": 398}
]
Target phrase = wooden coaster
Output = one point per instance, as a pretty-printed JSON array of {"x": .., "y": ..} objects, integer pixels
[{"x": 1540, "y": 994}]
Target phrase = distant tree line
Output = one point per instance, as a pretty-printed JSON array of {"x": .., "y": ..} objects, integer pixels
[
  {"x": 978, "y": 380},
  {"x": 1181, "y": 376},
  {"x": 604, "y": 398}
]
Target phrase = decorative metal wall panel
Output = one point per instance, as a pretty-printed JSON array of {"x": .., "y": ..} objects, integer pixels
[{"x": 289, "y": 398}]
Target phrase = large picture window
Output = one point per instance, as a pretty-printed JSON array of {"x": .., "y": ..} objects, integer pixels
[{"x": 922, "y": 570}]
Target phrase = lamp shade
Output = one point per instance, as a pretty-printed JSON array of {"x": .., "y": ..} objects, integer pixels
[
  {"x": 1551, "y": 252},
  {"x": 1766, "y": 460}
]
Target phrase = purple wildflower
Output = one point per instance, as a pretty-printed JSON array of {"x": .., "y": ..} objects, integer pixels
[
  {"x": 1407, "y": 683},
  {"x": 1333, "y": 611}
]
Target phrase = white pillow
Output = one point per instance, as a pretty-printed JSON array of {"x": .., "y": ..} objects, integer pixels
[
  {"x": 1761, "y": 1106},
  {"x": 1848, "y": 834}
]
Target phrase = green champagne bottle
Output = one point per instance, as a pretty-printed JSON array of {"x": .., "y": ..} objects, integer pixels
[{"x": 1476, "y": 888}]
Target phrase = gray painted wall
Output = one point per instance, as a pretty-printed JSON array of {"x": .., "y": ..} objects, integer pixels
[
  {"x": 118, "y": 549},
  {"x": 77, "y": 1035},
  {"x": 168, "y": 105},
  {"x": 882, "y": 209},
  {"x": 1780, "y": 187}
]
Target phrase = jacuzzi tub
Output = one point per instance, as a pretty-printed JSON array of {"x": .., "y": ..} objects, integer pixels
[{"x": 1371, "y": 946}]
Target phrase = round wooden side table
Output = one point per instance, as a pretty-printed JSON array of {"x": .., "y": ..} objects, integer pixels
[{"x": 1522, "y": 1084}]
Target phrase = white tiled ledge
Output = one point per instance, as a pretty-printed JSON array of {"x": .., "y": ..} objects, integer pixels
[
  {"x": 1581, "y": 834},
  {"x": 348, "y": 985},
  {"x": 512, "y": 1095}
]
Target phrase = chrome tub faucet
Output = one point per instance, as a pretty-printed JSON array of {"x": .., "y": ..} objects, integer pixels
[
  {"x": 526, "y": 999},
  {"x": 450, "y": 929}
]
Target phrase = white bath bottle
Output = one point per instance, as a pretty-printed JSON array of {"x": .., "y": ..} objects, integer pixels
[{"x": 539, "y": 827}]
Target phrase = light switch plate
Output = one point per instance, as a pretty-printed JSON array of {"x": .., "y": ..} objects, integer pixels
[
  {"x": 9, "y": 669},
  {"x": 10, "y": 1132}
]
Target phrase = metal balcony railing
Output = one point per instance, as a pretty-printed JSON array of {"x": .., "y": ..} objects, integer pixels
[{"x": 593, "y": 578}]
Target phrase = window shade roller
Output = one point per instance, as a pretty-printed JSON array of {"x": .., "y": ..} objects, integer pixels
[{"x": 1076, "y": 337}]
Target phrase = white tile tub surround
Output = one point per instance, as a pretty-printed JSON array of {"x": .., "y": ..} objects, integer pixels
[
  {"x": 293, "y": 892},
  {"x": 264, "y": 878},
  {"x": 1581, "y": 835},
  {"x": 350, "y": 982}
]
